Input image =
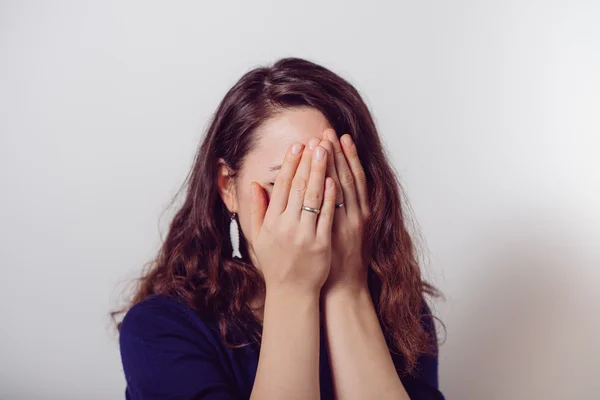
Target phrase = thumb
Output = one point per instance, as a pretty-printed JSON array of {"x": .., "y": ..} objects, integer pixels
[{"x": 258, "y": 208}]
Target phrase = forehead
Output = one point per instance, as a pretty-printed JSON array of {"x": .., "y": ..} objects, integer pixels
[{"x": 277, "y": 134}]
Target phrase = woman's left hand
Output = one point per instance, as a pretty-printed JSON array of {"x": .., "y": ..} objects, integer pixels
[{"x": 348, "y": 265}]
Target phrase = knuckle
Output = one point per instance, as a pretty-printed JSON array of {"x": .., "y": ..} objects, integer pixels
[
  {"x": 282, "y": 180},
  {"x": 301, "y": 241},
  {"x": 299, "y": 184},
  {"x": 282, "y": 231},
  {"x": 313, "y": 196},
  {"x": 347, "y": 177},
  {"x": 287, "y": 235},
  {"x": 361, "y": 177},
  {"x": 326, "y": 213},
  {"x": 320, "y": 245}
]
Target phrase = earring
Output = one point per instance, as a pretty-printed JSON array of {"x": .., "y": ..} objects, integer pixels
[{"x": 234, "y": 235}]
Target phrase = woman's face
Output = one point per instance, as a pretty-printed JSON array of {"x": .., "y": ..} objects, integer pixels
[{"x": 261, "y": 164}]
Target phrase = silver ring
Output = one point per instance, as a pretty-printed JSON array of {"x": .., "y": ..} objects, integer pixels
[
  {"x": 312, "y": 210},
  {"x": 339, "y": 205}
]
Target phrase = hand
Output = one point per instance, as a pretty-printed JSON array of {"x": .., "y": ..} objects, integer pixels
[
  {"x": 349, "y": 264},
  {"x": 292, "y": 247}
]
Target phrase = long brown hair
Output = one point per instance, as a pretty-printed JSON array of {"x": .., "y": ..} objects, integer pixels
[{"x": 195, "y": 263}]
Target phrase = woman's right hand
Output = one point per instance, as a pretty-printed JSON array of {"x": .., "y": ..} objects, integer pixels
[{"x": 292, "y": 247}]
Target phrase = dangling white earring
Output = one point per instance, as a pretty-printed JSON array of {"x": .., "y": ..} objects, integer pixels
[{"x": 234, "y": 234}]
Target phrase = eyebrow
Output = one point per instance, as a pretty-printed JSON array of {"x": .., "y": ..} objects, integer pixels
[{"x": 275, "y": 168}]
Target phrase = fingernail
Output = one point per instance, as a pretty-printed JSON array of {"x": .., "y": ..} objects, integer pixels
[
  {"x": 332, "y": 136},
  {"x": 347, "y": 140},
  {"x": 296, "y": 148},
  {"x": 312, "y": 143},
  {"x": 319, "y": 152},
  {"x": 329, "y": 183}
]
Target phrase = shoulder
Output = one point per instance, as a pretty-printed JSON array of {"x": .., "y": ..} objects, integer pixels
[
  {"x": 157, "y": 311},
  {"x": 167, "y": 348},
  {"x": 167, "y": 323}
]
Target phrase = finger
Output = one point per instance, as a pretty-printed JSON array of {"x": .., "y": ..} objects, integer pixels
[
  {"x": 283, "y": 180},
  {"x": 314, "y": 192},
  {"x": 344, "y": 173},
  {"x": 300, "y": 181},
  {"x": 360, "y": 178},
  {"x": 331, "y": 171},
  {"x": 258, "y": 208},
  {"x": 325, "y": 220}
]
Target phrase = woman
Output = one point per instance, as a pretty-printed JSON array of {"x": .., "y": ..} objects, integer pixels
[{"x": 288, "y": 273}]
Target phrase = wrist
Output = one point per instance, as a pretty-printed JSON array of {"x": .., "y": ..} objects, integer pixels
[
  {"x": 291, "y": 293},
  {"x": 346, "y": 287},
  {"x": 344, "y": 306},
  {"x": 355, "y": 293}
]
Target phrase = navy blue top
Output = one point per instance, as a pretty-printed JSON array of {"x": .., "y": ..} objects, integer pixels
[{"x": 169, "y": 352}]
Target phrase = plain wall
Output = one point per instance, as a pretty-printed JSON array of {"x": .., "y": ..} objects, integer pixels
[{"x": 490, "y": 112}]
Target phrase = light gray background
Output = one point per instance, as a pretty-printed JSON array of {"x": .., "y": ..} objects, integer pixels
[{"x": 490, "y": 111}]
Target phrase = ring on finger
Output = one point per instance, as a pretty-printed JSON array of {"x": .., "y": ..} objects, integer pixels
[{"x": 311, "y": 209}]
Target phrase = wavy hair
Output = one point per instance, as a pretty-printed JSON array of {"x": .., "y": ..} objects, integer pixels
[{"x": 194, "y": 262}]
